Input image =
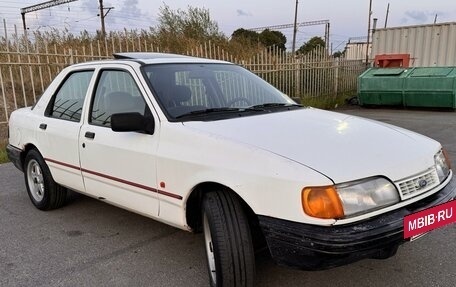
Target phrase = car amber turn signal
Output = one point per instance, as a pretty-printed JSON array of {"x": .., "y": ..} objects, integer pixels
[
  {"x": 322, "y": 202},
  {"x": 447, "y": 158}
]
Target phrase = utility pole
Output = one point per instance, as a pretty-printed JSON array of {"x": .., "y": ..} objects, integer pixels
[
  {"x": 327, "y": 37},
  {"x": 295, "y": 30},
  {"x": 103, "y": 16},
  {"x": 387, "y": 14},
  {"x": 368, "y": 33},
  {"x": 23, "y": 22}
]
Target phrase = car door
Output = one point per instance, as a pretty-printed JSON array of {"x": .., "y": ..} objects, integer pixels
[
  {"x": 58, "y": 131},
  {"x": 119, "y": 167}
]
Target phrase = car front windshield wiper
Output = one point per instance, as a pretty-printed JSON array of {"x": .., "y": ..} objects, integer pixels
[
  {"x": 227, "y": 110},
  {"x": 209, "y": 111},
  {"x": 274, "y": 105}
]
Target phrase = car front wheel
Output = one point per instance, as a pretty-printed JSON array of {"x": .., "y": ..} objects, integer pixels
[
  {"x": 43, "y": 191},
  {"x": 227, "y": 240}
]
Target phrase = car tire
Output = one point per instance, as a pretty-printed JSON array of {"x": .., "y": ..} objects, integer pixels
[
  {"x": 228, "y": 242},
  {"x": 43, "y": 191}
]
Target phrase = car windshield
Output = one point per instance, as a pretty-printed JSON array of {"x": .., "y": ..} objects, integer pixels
[{"x": 195, "y": 91}]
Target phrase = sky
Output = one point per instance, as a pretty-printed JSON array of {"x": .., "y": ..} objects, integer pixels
[{"x": 347, "y": 18}]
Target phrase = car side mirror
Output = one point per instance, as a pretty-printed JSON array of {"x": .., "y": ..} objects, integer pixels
[{"x": 132, "y": 122}]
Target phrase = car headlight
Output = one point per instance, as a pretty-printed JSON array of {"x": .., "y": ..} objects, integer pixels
[
  {"x": 348, "y": 199},
  {"x": 442, "y": 165},
  {"x": 367, "y": 195}
]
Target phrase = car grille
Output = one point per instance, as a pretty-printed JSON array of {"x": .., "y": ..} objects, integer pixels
[{"x": 421, "y": 183}]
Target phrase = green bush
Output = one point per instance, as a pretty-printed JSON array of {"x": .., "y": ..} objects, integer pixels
[{"x": 327, "y": 102}]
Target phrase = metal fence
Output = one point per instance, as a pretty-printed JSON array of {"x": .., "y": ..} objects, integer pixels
[
  {"x": 27, "y": 66},
  {"x": 312, "y": 75}
]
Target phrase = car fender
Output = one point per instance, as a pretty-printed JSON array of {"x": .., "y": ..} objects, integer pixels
[{"x": 270, "y": 184}]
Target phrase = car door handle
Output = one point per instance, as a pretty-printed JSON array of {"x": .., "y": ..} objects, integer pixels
[
  {"x": 90, "y": 135},
  {"x": 43, "y": 126}
]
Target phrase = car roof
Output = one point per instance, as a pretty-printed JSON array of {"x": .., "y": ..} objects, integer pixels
[
  {"x": 147, "y": 56},
  {"x": 153, "y": 58}
]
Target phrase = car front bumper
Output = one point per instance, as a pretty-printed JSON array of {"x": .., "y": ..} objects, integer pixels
[
  {"x": 14, "y": 155},
  {"x": 311, "y": 247}
]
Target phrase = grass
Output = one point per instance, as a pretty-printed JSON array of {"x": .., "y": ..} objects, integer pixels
[
  {"x": 326, "y": 103},
  {"x": 3, "y": 156}
]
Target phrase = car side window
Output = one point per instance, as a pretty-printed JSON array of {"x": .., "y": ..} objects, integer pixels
[
  {"x": 116, "y": 92},
  {"x": 69, "y": 99}
]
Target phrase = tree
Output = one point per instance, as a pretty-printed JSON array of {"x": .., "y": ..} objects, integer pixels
[
  {"x": 267, "y": 38},
  {"x": 242, "y": 34},
  {"x": 339, "y": 54},
  {"x": 273, "y": 38},
  {"x": 311, "y": 45},
  {"x": 195, "y": 23}
]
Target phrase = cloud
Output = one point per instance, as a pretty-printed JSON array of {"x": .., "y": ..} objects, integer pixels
[
  {"x": 417, "y": 16},
  {"x": 90, "y": 6},
  {"x": 243, "y": 13},
  {"x": 130, "y": 9},
  {"x": 421, "y": 17}
]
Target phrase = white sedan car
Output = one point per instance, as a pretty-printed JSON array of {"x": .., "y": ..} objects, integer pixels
[{"x": 205, "y": 145}]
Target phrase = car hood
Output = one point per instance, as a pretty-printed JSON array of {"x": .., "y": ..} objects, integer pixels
[{"x": 342, "y": 147}]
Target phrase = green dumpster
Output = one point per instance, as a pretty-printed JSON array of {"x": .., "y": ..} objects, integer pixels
[
  {"x": 433, "y": 87},
  {"x": 378, "y": 86}
]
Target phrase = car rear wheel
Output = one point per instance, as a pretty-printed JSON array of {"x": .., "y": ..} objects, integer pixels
[
  {"x": 228, "y": 241},
  {"x": 43, "y": 191}
]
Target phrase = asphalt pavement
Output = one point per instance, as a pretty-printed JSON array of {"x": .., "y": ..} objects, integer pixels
[{"x": 91, "y": 243}]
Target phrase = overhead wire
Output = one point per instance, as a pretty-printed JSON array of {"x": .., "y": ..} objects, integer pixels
[{"x": 62, "y": 17}]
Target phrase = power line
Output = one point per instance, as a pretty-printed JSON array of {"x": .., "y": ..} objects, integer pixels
[
  {"x": 295, "y": 25},
  {"x": 78, "y": 14},
  {"x": 41, "y": 6},
  {"x": 44, "y": 5},
  {"x": 285, "y": 26}
]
